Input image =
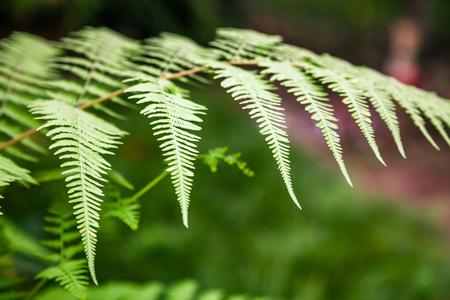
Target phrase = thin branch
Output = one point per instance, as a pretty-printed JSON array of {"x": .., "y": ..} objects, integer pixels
[
  {"x": 183, "y": 73},
  {"x": 102, "y": 99},
  {"x": 19, "y": 138},
  {"x": 121, "y": 91}
]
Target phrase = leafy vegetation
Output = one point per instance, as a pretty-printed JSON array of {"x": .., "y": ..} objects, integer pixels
[{"x": 97, "y": 65}]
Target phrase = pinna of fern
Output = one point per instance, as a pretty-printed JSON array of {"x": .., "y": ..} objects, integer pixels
[
  {"x": 82, "y": 139},
  {"x": 174, "y": 116},
  {"x": 24, "y": 76}
]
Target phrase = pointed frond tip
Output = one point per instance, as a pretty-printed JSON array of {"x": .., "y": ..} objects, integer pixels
[
  {"x": 82, "y": 139},
  {"x": 174, "y": 118},
  {"x": 254, "y": 93}
]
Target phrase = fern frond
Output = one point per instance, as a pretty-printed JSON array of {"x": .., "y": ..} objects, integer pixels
[
  {"x": 70, "y": 274},
  {"x": 311, "y": 95},
  {"x": 101, "y": 67},
  {"x": 293, "y": 54},
  {"x": 371, "y": 82},
  {"x": 429, "y": 104},
  {"x": 10, "y": 171},
  {"x": 255, "y": 94},
  {"x": 82, "y": 139},
  {"x": 21, "y": 242},
  {"x": 243, "y": 44},
  {"x": 402, "y": 94},
  {"x": 174, "y": 118},
  {"x": 337, "y": 74},
  {"x": 24, "y": 76},
  {"x": 170, "y": 53}
]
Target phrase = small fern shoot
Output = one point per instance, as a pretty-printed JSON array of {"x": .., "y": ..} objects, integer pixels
[
  {"x": 82, "y": 139},
  {"x": 174, "y": 120}
]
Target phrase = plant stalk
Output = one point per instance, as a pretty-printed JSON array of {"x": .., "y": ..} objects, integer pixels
[{"x": 121, "y": 91}]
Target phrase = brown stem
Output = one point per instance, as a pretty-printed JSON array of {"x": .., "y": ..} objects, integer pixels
[
  {"x": 101, "y": 99},
  {"x": 121, "y": 91},
  {"x": 19, "y": 138},
  {"x": 183, "y": 73}
]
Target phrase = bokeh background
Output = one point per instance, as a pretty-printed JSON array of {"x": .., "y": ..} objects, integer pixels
[{"x": 387, "y": 238}]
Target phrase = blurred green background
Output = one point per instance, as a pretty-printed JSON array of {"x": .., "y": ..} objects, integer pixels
[{"x": 246, "y": 235}]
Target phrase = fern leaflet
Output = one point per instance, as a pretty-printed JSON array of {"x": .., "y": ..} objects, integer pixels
[
  {"x": 402, "y": 95},
  {"x": 126, "y": 211},
  {"x": 70, "y": 274},
  {"x": 10, "y": 172},
  {"x": 372, "y": 83},
  {"x": 101, "y": 65},
  {"x": 255, "y": 94},
  {"x": 335, "y": 73},
  {"x": 308, "y": 93},
  {"x": 170, "y": 53},
  {"x": 175, "y": 116},
  {"x": 24, "y": 76},
  {"x": 82, "y": 139},
  {"x": 243, "y": 44}
]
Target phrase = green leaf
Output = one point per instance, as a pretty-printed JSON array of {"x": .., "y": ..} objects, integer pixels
[
  {"x": 255, "y": 94},
  {"x": 174, "y": 121},
  {"x": 70, "y": 274},
  {"x": 337, "y": 75},
  {"x": 126, "y": 211},
  {"x": 243, "y": 44},
  {"x": 82, "y": 139},
  {"x": 311, "y": 95}
]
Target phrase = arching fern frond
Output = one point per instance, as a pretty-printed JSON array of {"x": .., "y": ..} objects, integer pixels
[
  {"x": 337, "y": 75},
  {"x": 102, "y": 63},
  {"x": 311, "y": 95},
  {"x": 9, "y": 172},
  {"x": 82, "y": 139},
  {"x": 402, "y": 94},
  {"x": 174, "y": 119},
  {"x": 243, "y": 44},
  {"x": 24, "y": 76},
  {"x": 170, "y": 53},
  {"x": 256, "y": 94},
  {"x": 371, "y": 82}
]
